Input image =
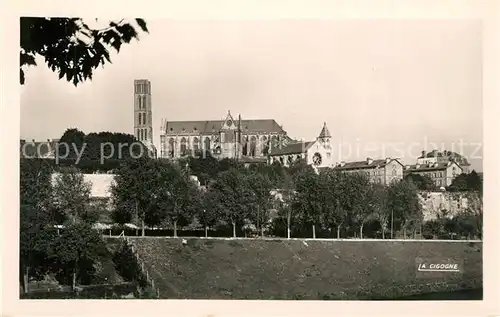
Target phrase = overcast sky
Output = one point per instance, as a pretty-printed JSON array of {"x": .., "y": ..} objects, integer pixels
[{"x": 398, "y": 85}]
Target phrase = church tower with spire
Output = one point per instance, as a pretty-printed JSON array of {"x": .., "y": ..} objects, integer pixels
[{"x": 325, "y": 137}]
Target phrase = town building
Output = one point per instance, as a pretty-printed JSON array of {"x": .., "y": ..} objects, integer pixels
[
  {"x": 441, "y": 173},
  {"x": 445, "y": 156},
  {"x": 317, "y": 153},
  {"x": 382, "y": 171}
]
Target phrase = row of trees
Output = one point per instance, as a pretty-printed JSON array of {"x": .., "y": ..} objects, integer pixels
[{"x": 161, "y": 193}]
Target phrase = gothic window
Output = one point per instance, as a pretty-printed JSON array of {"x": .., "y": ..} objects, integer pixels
[
  {"x": 196, "y": 145},
  {"x": 253, "y": 145},
  {"x": 144, "y": 102},
  {"x": 245, "y": 145},
  {"x": 274, "y": 142},
  {"x": 139, "y": 102},
  {"x": 171, "y": 147},
  {"x": 137, "y": 134},
  {"x": 265, "y": 146},
  {"x": 207, "y": 144},
  {"x": 183, "y": 146},
  {"x": 140, "y": 117}
]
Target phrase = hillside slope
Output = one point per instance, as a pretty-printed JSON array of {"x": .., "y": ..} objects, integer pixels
[{"x": 294, "y": 269}]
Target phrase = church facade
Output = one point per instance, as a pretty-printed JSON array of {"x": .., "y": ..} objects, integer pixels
[{"x": 247, "y": 140}]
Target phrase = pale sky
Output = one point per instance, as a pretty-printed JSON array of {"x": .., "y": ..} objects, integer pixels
[{"x": 393, "y": 84}]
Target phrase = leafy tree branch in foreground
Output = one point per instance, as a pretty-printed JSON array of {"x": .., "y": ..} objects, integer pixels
[{"x": 70, "y": 47}]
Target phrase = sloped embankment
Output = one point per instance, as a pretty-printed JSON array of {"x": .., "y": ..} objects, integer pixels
[{"x": 281, "y": 269}]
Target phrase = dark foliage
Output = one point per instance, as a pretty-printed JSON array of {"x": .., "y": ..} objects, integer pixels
[
  {"x": 99, "y": 147},
  {"x": 70, "y": 47},
  {"x": 422, "y": 182},
  {"x": 126, "y": 265},
  {"x": 466, "y": 182}
]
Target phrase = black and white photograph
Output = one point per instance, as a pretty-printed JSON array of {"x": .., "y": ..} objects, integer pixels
[{"x": 250, "y": 159}]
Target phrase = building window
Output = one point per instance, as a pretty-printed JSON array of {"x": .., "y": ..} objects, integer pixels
[
  {"x": 144, "y": 116},
  {"x": 137, "y": 134},
  {"x": 265, "y": 145},
  {"x": 207, "y": 144},
  {"x": 253, "y": 146},
  {"x": 144, "y": 103},
  {"x": 139, "y": 119},
  {"x": 274, "y": 142},
  {"x": 139, "y": 100},
  {"x": 183, "y": 146},
  {"x": 171, "y": 147},
  {"x": 196, "y": 145}
]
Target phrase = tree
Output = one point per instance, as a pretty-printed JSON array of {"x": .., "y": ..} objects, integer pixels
[
  {"x": 380, "y": 206},
  {"x": 404, "y": 204},
  {"x": 205, "y": 167},
  {"x": 227, "y": 198},
  {"x": 206, "y": 212},
  {"x": 474, "y": 182},
  {"x": 35, "y": 188},
  {"x": 78, "y": 246},
  {"x": 359, "y": 191},
  {"x": 35, "y": 216},
  {"x": 336, "y": 199},
  {"x": 307, "y": 200},
  {"x": 422, "y": 182},
  {"x": 258, "y": 199},
  {"x": 458, "y": 184},
  {"x": 73, "y": 140},
  {"x": 70, "y": 47},
  {"x": 467, "y": 182},
  {"x": 71, "y": 195},
  {"x": 287, "y": 192},
  {"x": 132, "y": 191},
  {"x": 34, "y": 233},
  {"x": 178, "y": 195}
]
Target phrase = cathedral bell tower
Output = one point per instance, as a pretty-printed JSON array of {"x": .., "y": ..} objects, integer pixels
[{"x": 143, "y": 115}]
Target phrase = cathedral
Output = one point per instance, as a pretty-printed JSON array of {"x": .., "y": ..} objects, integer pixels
[{"x": 249, "y": 141}]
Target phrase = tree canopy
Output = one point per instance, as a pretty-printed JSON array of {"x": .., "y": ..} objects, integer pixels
[{"x": 70, "y": 47}]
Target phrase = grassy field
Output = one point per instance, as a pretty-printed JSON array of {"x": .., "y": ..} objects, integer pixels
[{"x": 295, "y": 269}]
